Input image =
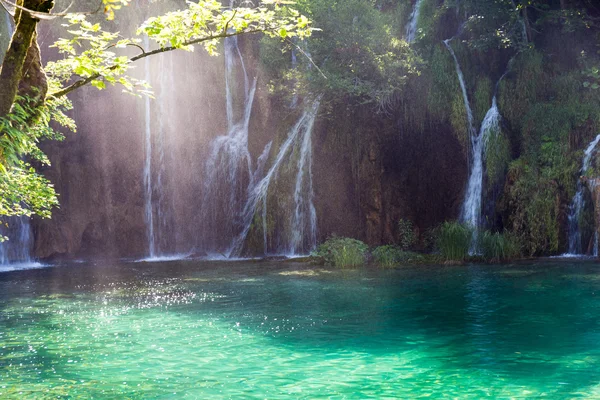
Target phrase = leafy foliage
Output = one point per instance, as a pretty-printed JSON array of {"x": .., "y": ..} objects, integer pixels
[
  {"x": 342, "y": 252},
  {"x": 88, "y": 55},
  {"x": 592, "y": 78},
  {"x": 90, "y": 51},
  {"x": 110, "y": 6},
  {"x": 531, "y": 208},
  {"x": 22, "y": 190},
  {"x": 357, "y": 50}
]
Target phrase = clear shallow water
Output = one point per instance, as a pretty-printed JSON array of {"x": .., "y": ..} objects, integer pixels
[{"x": 282, "y": 330}]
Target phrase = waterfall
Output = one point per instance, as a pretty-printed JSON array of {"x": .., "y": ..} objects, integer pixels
[
  {"x": 162, "y": 202},
  {"x": 303, "y": 230},
  {"x": 461, "y": 79},
  {"x": 148, "y": 213},
  {"x": 578, "y": 203},
  {"x": 471, "y": 209},
  {"x": 157, "y": 209},
  {"x": 258, "y": 174},
  {"x": 17, "y": 250},
  {"x": 305, "y": 216},
  {"x": 228, "y": 169},
  {"x": 411, "y": 27}
]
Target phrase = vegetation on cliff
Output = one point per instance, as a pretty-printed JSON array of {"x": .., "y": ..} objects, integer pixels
[{"x": 540, "y": 59}]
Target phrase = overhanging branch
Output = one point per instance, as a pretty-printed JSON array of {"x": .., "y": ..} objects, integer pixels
[{"x": 82, "y": 82}]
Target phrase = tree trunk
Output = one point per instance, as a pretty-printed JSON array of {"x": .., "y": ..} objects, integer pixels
[
  {"x": 14, "y": 61},
  {"x": 33, "y": 83}
]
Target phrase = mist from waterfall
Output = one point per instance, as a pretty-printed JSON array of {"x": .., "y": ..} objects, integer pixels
[
  {"x": 303, "y": 231},
  {"x": 412, "y": 26},
  {"x": 578, "y": 204}
]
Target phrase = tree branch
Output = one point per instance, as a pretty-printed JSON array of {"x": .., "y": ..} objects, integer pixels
[{"x": 82, "y": 82}]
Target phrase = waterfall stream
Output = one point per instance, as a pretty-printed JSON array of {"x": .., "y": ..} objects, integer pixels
[
  {"x": 303, "y": 229},
  {"x": 471, "y": 208},
  {"x": 228, "y": 169},
  {"x": 461, "y": 79},
  {"x": 411, "y": 27},
  {"x": 158, "y": 209},
  {"x": 472, "y": 204},
  {"x": 578, "y": 203},
  {"x": 148, "y": 212},
  {"x": 17, "y": 250}
]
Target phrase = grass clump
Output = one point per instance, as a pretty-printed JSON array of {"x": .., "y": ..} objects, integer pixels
[
  {"x": 498, "y": 247},
  {"x": 453, "y": 240},
  {"x": 342, "y": 252},
  {"x": 391, "y": 256}
]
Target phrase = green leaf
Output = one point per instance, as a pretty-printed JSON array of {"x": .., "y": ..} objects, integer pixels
[{"x": 99, "y": 84}]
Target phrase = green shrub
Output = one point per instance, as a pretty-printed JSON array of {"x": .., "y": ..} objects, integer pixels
[
  {"x": 453, "y": 240},
  {"x": 498, "y": 246},
  {"x": 391, "y": 256},
  {"x": 342, "y": 252},
  {"x": 406, "y": 234}
]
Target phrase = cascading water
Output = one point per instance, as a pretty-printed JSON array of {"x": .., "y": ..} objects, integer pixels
[
  {"x": 258, "y": 174},
  {"x": 157, "y": 209},
  {"x": 461, "y": 79},
  {"x": 578, "y": 203},
  {"x": 162, "y": 204},
  {"x": 228, "y": 169},
  {"x": 411, "y": 27},
  {"x": 149, "y": 214},
  {"x": 303, "y": 229},
  {"x": 17, "y": 250},
  {"x": 305, "y": 216},
  {"x": 471, "y": 209}
]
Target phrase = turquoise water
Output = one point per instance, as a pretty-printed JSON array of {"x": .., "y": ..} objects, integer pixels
[{"x": 283, "y": 330}]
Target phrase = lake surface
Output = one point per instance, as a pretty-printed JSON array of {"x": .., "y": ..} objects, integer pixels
[{"x": 288, "y": 330}]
